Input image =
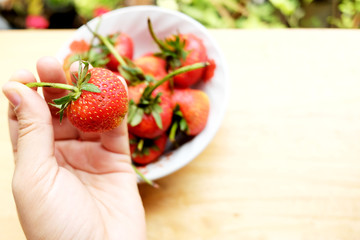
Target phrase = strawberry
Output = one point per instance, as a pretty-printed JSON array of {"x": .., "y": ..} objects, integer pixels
[
  {"x": 209, "y": 70},
  {"x": 97, "y": 102},
  {"x": 183, "y": 50},
  {"x": 191, "y": 111},
  {"x": 152, "y": 65},
  {"x": 151, "y": 119},
  {"x": 145, "y": 151},
  {"x": 123, "y": 45}
]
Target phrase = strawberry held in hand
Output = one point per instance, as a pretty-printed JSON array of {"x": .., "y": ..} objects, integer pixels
[{"x": 97, "y": 102}]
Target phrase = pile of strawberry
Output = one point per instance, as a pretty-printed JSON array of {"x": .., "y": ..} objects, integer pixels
[{"x": 164, "y": 105}]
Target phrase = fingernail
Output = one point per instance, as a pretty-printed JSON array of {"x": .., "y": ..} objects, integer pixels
[{"x": 13, "y": 97}]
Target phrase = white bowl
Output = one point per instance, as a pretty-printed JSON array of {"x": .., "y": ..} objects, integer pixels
[{"x": 133, "y": 21}]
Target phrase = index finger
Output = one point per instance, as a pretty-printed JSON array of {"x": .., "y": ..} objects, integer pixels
[
  {"x": 50, "y": 70},
  {"x": 117, "y": 140}
]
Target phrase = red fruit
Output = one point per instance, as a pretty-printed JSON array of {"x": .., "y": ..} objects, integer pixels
[
  {"x": 194, "y": 106},
  {"x": 36, "y": 21},
  {"x": 100, "y": 111},
  {"x": 182, "y": 50},
  {"x": 136, "y": 91},
  {"x": 209, "y": 70},
  {"x": 123, "y": 44},
  {"x": 100, "y": 11},
  {"x": 152, "y": 65},
  {"x": 145, "y": 151},
  {"x": 79, "y": 46},
  {"x": 148, "y": 127},
  {"x": 196, "y": 53}
]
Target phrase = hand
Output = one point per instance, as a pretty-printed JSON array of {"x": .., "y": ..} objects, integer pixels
[{"x": 68, "y": 184}]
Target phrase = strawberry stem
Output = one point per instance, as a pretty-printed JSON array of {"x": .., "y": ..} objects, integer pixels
[
  {"x": 160, "y": 43},
  {"x": 148, "y": 181},
  {"x": 109, "y": 46},
  {"x": 53, "y": 85},
  {"x": 174, "y": 73}
]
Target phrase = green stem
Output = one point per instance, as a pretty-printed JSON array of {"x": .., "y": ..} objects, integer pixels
[
  {"x": 140, "y": 145},
  {"x": 173, "y": 132},
  {"x": 109, "y": 46},
  {"x": 53, "y": 85},
  {"x": 154, "y": 37},
  {"x": 174, "y": 73},
  {"x": 151, "y": 183}
]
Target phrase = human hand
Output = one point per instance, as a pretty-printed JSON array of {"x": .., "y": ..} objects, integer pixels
[{"x": 68, "y": 184}]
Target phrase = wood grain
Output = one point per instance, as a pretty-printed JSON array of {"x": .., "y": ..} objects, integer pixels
[{"x": 285, "y": 163}]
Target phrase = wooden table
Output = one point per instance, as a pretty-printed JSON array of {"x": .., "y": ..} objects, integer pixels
[{"x": 285, "y": 163}]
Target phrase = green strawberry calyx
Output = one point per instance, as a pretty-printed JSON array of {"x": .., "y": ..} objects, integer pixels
[
  {"x": 172, "y": 49},
  {"x": 179, "y": 124},
  {"x": 81, "y": 84},
  {"x": 149, "y": 104},
  {"x": 143, "y": 146}
]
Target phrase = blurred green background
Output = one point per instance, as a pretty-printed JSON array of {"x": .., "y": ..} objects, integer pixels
[{"x": 19, "y": 14}]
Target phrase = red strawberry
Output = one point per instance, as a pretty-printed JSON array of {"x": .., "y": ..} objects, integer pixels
[
  {"x": 135, "y": 92},
  {"x": 145, "y": 125},
  {"x": 97, "y": 102},
  {"x": 79, "y": 46},
  {"x": 209, "y": 70},
  {"x": 145, "y": 151},
  {"x": 196, "y": 52},
  {"x": 124, "y": 46},
  {"x": 192, "y": 108},
  {"x": 182, "y": 50},
  {"x": 99, "y": 112},
  {"x": 152, "y": 65}
]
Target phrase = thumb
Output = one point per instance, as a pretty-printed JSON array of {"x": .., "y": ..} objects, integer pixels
[{"x": 31, "y": 127}]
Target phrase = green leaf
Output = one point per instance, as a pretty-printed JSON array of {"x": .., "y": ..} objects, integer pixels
[
  {"x": 136, "y": 119},
  {"x": 149, "y": 78},
  {"x": 87, "y": 78},
  {"x": 173, "y": 131},
  {"x": 90, "y": 87},
  {"x": 183, "y": 125},
  {"x": 178, "y": 113},
  {"x": 74, "y": 76},
  {"x": 83, "y": 71},
  {"x": 62, "y": 100},
  {"x": 132, "y": 110},
  {"x": 157, "y": 108},
  {"x": 55, "y": 105},
  {"x": 132, "y": 141},
  {"x": 155, "y": 147},
  {"x": 146, "y": 151},
  {"x": 157, "y": 118}
]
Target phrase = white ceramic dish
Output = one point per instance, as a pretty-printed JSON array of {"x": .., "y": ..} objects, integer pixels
[{"x": 133, "y": 21}]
